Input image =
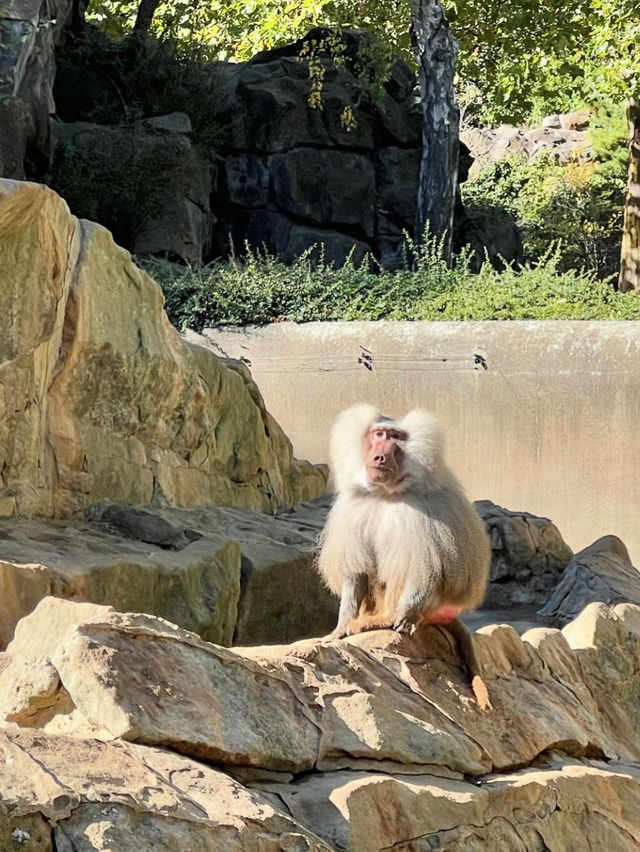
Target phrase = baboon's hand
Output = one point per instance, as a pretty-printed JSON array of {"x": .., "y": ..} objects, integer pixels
[{"x": 405, "y": 625}]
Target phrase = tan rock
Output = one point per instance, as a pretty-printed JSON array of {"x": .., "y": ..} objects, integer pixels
[
  {"x": 195, "y": 698},
  {"x": 579, "y": 119},
  {"x": 116, "y": 796},
  {"x": 88, "y": 795},
  {"x": 567, "y": 134},
  {"x": 31, "y": 690},
  {"x": 102, "y": 399},
  {"x": 571, "y": 805},
  {"x": 402, "y": 702},
  {"x": 226, "y": 574},
  {"x": 197, "y": 587},
  {"x": 377, "y": 700},
  {"x": 141, "y": 678},
  {"x": 608, "y": 650}
]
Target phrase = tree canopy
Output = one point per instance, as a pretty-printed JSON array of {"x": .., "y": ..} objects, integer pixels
[{"x": 518, "y": 60}]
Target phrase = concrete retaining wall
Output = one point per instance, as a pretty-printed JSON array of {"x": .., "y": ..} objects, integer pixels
[{"x": 540, "y": 416}]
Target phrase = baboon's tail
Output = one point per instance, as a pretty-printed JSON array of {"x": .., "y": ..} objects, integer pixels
[{"x": 465, "y": 645}]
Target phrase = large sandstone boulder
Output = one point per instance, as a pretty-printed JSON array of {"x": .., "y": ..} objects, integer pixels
[
  {"x": 196, "y": 585},
  {"x": 100, "y": 398},
  {"x": 358, "y": 745},
  {"x": 559, "y": 805}
]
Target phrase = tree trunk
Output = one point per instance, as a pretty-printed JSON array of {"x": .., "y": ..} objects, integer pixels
[
  {"x": 435, "y": 50},
  {"x": 146, "y": 11},
  {"x": 630, "y": 254}
]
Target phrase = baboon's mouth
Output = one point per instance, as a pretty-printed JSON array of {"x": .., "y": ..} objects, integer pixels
[{"x": 380, "y": 472}]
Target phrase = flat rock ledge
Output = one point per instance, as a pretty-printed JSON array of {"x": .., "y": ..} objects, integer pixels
[
  {"x": 123, "y": 731},
  {"x": 229, "y": 575}
]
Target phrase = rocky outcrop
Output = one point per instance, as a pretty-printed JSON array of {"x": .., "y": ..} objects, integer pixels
[
  {"x": 276, "y": 166},
  {"x": 294, "y": 175},
  {"x": 28, "y": 35},
  {"x": 489, "y": 233},
  {"x": 234, "y": 576},
  {"x": 148, "y": 184},
  {"x": 101, "y": 398},
  {"x": 601, "y": 572},
  {"x": 364, "y": 744},
  {"x": 563, "y": 137}
]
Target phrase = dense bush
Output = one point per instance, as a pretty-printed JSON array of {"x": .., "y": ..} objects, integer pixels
[
  {"x": 119, "y": 82},
  {"x": 119, "y": 176},
  {"x": 259, "y": 289},
  {"x": 578, "y": 206}
]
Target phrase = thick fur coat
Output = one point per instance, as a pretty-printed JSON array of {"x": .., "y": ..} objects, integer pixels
[{"x": 422, "y": 533}]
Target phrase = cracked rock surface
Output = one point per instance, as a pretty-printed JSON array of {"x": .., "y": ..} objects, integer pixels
[{"x": 121, "y": 728}]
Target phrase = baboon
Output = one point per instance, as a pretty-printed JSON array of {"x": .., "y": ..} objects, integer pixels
[{"x": 402, "y": 545}]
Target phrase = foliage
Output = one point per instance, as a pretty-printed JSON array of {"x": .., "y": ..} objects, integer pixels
[
  {"x": 521, "y": 58},
  {"x": 231, "y": 30},
  {"x": 578, "y": 206},
  {"x": 528, "y": 58},
  {"x": 259, "y": 289},
  {"x": 138, "y": 77}
]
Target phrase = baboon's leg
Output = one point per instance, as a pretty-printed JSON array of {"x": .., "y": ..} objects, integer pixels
[{"x": 354, "y": 592}]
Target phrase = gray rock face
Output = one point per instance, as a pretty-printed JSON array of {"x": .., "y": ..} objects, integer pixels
[
  {"x": 29, "y": 33},
  {"x": 331, "y": 188},
  {"x": 601, "y": 572},
  {"x": 528, "y": 555},
  {"x": 288, "y": 175},
  {"x": 294, "y": 176},
  {"x": 174, "y": 122}
]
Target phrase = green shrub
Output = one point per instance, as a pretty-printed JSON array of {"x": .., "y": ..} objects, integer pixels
[
  {"x": 259, "y": 289},
  {"x": 578, "y": 205},
  {"x": 119, "y": 176},
  {"x": 118, "y": 82}
]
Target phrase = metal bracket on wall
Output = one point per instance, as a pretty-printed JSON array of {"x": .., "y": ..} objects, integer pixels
[{"x": 476, "y": 360}]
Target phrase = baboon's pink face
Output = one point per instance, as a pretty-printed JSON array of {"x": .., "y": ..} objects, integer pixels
[{"x": 384, "y": 454}]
